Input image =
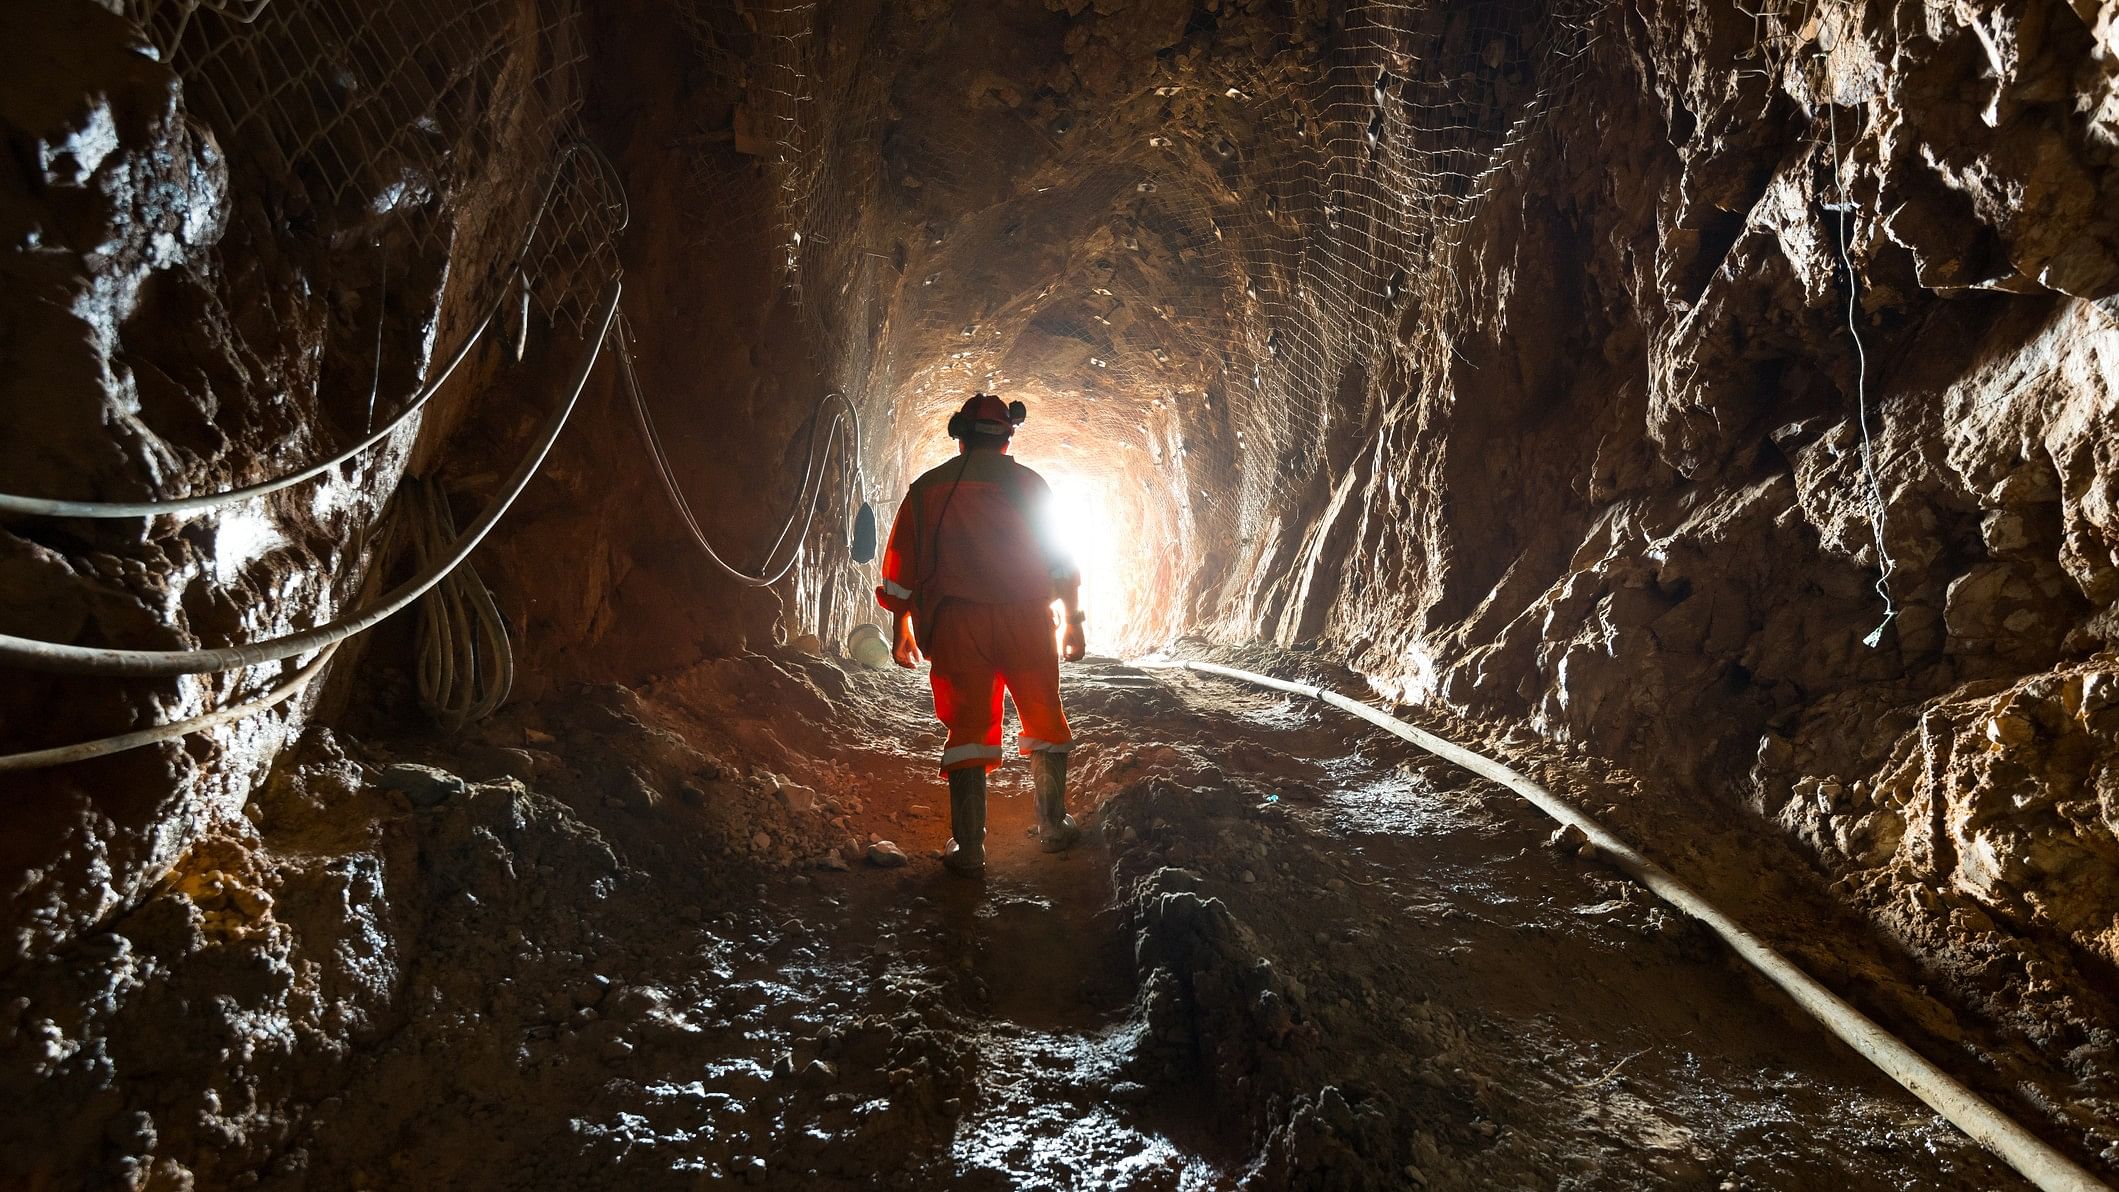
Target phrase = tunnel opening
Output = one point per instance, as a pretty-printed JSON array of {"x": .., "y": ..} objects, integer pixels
[
  {"x": 1100, "y": 528},
  {"x": 452, "y": 734}
]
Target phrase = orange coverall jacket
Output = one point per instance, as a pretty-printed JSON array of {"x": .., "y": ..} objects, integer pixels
[
  {"x": 976, "y": 528},
  {"x": 972, "y": 557}
]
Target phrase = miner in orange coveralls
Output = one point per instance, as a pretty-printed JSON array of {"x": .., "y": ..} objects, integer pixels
[{"x": 971, "y": 572}]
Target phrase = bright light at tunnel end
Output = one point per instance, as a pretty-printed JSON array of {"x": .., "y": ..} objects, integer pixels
[{"x": 1103, "y": 547}]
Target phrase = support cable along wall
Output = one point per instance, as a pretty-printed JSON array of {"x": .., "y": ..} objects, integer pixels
[
  {"x": 89, "y": 660},
  {"x": 1843, "y": 210},
  {"x": 804, "y": 134},
  {"x": 59, "y": 755},
  {"x": 1780, "y": 31},
  {"x": 808, "y": 495},
  {"x": 331, "y": 110}
]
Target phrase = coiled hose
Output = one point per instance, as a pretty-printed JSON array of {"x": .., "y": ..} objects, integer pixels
[{"x": 465, "y": 666}]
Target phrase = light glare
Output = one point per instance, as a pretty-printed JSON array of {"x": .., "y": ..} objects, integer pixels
[{"x": 1082, "y": 522}]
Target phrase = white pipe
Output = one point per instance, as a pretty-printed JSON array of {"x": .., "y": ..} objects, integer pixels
[
  {"x": 2032, "y": 1158},
  {"x": 31, "y": 654},
  {"x": 59, "y": 755}
]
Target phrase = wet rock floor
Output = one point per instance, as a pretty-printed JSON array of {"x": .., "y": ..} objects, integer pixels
[{"x": 1293, "y": 954}]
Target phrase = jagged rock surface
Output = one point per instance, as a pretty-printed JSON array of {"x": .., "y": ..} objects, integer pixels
[{"x": 1608, "y": 476}]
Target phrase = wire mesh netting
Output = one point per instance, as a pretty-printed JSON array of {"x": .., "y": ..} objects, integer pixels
[
  {"x": 811, "y": 122},
  {"x": 1296, "y": 217},
  {"x": 430, "y": 114},
  {"x": 388, "y": 177}
]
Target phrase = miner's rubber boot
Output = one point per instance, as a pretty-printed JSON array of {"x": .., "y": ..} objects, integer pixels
[
  {"x": 966, "y": 854},
  {"x": 1056, "y": 830}
]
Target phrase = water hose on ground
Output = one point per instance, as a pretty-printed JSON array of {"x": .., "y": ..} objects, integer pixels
[
  {"x": 2032, "y": 1158},
  {"x": 59, "y": 755},
  {"x": 11, "y": 503},
  {"x": 31, "y": 654},
  {"x": 465, "y": 666},
  {"x": 812, "y": 497}
]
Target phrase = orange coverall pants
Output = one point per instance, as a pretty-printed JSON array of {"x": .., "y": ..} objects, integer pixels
[{"x": 978, "y": 649}]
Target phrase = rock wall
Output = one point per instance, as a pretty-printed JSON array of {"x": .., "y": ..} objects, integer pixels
[
  {"x": 730, "y": 379},
  {"x": 1632, "y": 505},
  {"x": 1550, "y": 408},
  {"x": 1589, "y": 453},
  {"x": 202, "y": 293}
]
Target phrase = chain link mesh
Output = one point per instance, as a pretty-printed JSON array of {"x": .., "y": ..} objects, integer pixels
[
  {"x": 409, "y": 107},
  {"x": 1313, "y": 199}
]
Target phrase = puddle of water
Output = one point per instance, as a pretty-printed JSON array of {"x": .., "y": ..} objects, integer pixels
[
  {"x": 1389, "y": 805},
  {"x": 1034, "y": 1135}
]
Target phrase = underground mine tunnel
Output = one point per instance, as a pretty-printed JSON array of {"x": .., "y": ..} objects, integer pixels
[{"x": 1663, "y": 453}]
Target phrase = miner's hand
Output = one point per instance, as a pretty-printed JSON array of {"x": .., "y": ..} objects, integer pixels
[
  {"x": 1073, "y": 645},
  {"x": 903, "y": 649}
]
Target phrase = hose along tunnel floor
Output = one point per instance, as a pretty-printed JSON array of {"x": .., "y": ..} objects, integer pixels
[{"x": 1292, "y": 952}]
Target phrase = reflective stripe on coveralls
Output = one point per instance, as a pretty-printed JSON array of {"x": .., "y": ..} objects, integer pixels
[
  {"x": 965, "y": 753},
  {"x": 980, "y": 650}
]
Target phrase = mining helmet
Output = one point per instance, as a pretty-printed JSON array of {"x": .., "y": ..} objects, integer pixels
[{"x": 986, "y": 414}]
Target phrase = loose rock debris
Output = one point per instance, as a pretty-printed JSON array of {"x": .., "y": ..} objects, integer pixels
[{"x": 567, "y": 980}]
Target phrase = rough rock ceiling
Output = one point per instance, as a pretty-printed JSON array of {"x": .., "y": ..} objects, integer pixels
[
  {"x": 1522, "y": 355},
  {"x": 1178, "y": 232}
]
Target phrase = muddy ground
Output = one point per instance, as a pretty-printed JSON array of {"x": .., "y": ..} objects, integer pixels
[{"x": 651, "y": 940}]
